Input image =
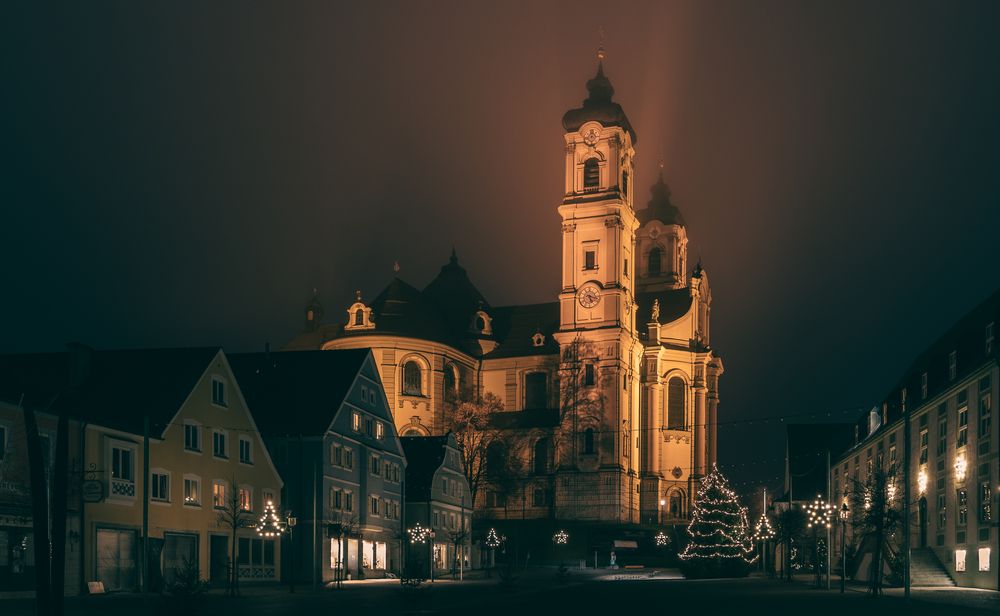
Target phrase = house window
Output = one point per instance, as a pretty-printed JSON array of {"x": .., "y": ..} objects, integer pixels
[
  {"x": 348, "y": 458},
  {"x": 538, "y": 498},
  {"x": 245, "y": 456},
  {"x": 336, "y": 455},
  {"x": 963, "y": 417},
  {"x": 985, "y": 408},
  {"x": 218, "y": 391},
  {"x": 590, "y": 260},
  {"x": 892, "y": 458},
  {"x": 536, "y": 393},
  {"x": 375, "y": 465},
  {"x": 952, "y": 365},
  {"x": 160, "y": 487},
  {"x": 267, "y": 496},
  {"x": 369, "y": 426},
  {"x": 541, "y": 456},
  {"x": 654, "y": 263},
  {"x": 588, "y": 441},
  {"x": 941, "y": 510},
  {"x": 984, "y": 559},
  {"x": 374, "y": 505},
  {"x": 923, "y": 446},
  {"x": 412, "y": 379},
  {"x": 192, "y": 491},
  {"x": 246, "y": 498},
  {"x": 219, "y": 444},
  {"x": 192, "y": 437},
  {"x": 122, "y": 464},
  {"x": 591, "y": 173},
  {"x": 218, "y": 494},
  {"x": 356, "y": 421},
  {"x": 336, "y": 498},
  {"x": 589, "y": 377},
  {"x": 379, "y": 430},
  {"x": 676, "y": 396},
  {"x": 942, "y": 444}
]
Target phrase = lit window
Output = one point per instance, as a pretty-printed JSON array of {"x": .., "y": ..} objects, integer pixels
[
  {"x": 218, "y": 391},
  {"x": 984, "y": 559},
  {"x": 356, "y": 421},
  {"x": 963, "y": 507},
  {"x": 192, "y": 491},
  {"x": 246, "y": 498},
  {"x": 218, "y": 494},
  {"x": 379, "y": 430},
  {"x": 959, "y": 560}
]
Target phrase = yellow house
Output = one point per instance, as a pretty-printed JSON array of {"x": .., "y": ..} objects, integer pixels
[{"x": 204, "y": 451}]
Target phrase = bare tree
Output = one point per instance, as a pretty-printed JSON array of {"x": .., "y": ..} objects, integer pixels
[
  {"x": 344, "y": 525},
  {"x": 876, "y": 517},
  {"x": 470, "y": 424},
  {"x": 233, "y": 516}
]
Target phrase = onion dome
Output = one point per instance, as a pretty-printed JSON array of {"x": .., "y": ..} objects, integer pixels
[
  {"x": 660, "y": 207},
  {"x": 599, "y": 106},
  {"x": 455, "y": 295}
]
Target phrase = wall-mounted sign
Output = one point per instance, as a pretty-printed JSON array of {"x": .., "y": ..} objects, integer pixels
[{"x": 92, "y": 491}]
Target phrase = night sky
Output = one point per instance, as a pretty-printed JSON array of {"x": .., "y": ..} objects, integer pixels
[{"x": 185, "y": 175}]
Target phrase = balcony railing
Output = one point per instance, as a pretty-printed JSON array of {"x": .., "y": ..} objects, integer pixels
[{"x": 122, "y": 487}]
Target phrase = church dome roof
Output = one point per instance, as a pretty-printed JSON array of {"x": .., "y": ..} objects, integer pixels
[
  {"x": 455, "y": 295},
  {"x": 599, "y": 107},
  {"x": 660, "y": 207}
]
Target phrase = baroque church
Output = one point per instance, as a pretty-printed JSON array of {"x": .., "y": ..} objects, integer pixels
[{"x": 609, "y": 392}]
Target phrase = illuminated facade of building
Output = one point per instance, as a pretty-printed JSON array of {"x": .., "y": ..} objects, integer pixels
[
  {"x": 610, "y": 393},
  {"x": 947, "y": 395}
]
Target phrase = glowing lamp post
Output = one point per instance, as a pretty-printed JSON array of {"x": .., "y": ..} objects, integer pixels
[{"x": 844, "y": 516}]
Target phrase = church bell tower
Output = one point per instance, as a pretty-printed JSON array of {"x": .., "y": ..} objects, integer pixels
[{"x": 598, "y": 342}]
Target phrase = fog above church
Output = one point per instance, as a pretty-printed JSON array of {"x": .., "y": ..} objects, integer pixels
[{"x": 187, "y": 176}]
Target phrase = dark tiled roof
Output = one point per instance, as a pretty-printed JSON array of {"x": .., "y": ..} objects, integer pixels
[
  {"x": 674, "y": 303},
  {"x": 116, "y": 388},
  {"x": 424, "y": 456},
  {"x": 296, "y": 392},
  {"x": 455, "y": 295},
  {"x": 660, "y": 207},
  {"x": 523, "y": 420},
  {"x": 599, "y": 106},
  {"x": 514, "y": 326}
]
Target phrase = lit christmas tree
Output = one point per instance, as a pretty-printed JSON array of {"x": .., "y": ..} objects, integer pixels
[
  {"x": 720, "y": 544},
  {"x": 270, "y": 523}
]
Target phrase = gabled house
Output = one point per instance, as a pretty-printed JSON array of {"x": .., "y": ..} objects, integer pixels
[
  {"x": 438, "y": 499},
  {"x": 204, "y": 448},
  {"x": 326, "y": 420}
]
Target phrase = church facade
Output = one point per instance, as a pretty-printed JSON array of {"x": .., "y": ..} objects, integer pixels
[{"x": 609, "y": 393}]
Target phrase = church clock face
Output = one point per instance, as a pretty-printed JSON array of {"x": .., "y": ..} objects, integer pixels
[
  {"x": 591, "y": 136},
  {"x": 589, "y": 296}
]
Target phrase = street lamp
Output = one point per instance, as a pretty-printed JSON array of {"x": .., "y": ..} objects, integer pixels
[
  {"x": 844, "y": 513},
  {"x": 659, "y": 512},
  {"x": 290, "y": 522},
  {"x": 820, "y": 512}
]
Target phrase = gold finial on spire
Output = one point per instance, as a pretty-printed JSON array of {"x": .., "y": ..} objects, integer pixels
[
  {"x": 357, "y": 295},
  {"x": 600, "y": 50},
  {"x": 395, "y": 267}
]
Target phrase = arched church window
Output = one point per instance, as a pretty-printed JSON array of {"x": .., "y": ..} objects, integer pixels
[
  {"x": 588, "y": 440},
  {"x": 412, "y": 378},
  {"x": 496, "y": 459},
  {"x": 655, "y": 265},
  {"x": 591, "y": 173},
  {"x": 359, "y": 316},
  {"x": 675, "y": 403},
  {"x": 541, "y": 457},
  {"x": 536, "y": 395}
]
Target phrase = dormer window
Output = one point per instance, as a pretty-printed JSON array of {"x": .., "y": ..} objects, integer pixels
[
  {"x": 481, "y": 323},
  {"x": 591, "y": 174},
  {"x": 538, "y": 339},
  {"x": 359, "y": 316}
]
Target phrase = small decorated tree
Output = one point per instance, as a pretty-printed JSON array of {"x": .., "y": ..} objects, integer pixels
[{"x": 720, "y": 544}]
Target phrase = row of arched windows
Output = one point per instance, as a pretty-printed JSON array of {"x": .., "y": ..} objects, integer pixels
[{"x": 413, "y": 379}]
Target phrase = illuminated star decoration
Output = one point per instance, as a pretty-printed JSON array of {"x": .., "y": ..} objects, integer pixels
[
  {"x": 492, "y": 539},
  {"x": 270, "y": 523},
  {"x": 820, "y": 513},
  {"x": 419, "y": 534},
  {"x": 661, "y": 539},
  {"x": 718, "y": 527},
  {"x": 561, "y": 537}
]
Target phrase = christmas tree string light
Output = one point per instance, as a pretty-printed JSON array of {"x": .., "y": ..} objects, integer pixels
[
  {"x": 718, "y": 529},
  {"x": 270, "y": 523}
]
